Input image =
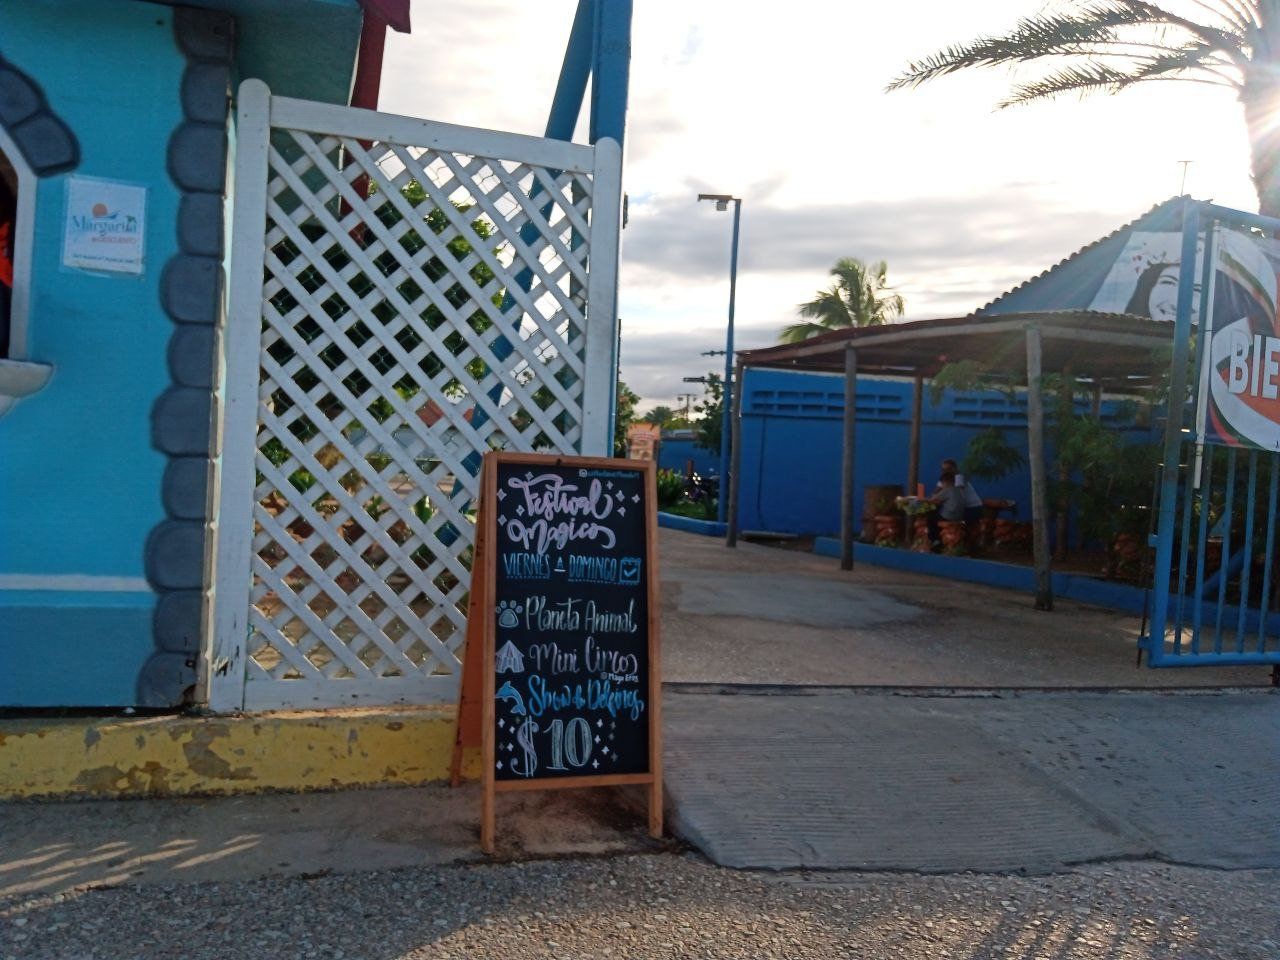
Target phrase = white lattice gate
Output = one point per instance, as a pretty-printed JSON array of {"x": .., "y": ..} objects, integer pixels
[{"x": 404, "y": 296}]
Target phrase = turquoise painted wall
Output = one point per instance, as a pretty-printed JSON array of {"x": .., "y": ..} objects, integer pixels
[{"x": 80, "y": 480}]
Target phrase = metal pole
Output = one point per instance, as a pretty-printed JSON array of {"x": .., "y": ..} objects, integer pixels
[
  {"x": 731, "y": 537},
  {"x": 1039, "y": 482},
  {"x": 1173, "y": 432},
  {"x": 913, "y": 454},
  {"x": 846, "y": 485},
  {"x": 726, "y": 420}
]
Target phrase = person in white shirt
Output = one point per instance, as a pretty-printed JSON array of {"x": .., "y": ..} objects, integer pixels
[{"x": 972, "y": 501}]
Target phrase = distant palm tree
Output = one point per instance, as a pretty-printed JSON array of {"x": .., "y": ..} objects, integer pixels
[
  {"x": 1105, "y": 46},
  {"x": 860, "y": 297},
  {"x": 660, "y": 416}
]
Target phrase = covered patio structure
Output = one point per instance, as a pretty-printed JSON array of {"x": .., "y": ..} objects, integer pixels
[{"x": 1115, "y": 353}]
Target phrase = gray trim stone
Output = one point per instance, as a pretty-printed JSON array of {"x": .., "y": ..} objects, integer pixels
[
  {"x": 175, "y": 556},
  {"x": 18, "y": 98},
  {"x": 190, "y": 348},
  {"x": 198, "y": 157},
  {"x": 162, "y": 674},
  {"x": 191, "y": 289},
  {"x": 204, "y": 34},
  {"x": 200, "y": 224},
  {"x": 177, "y": 621},
  {"x": 45, "y": 142},
  {"x": 180, "y": 422},
  {"x": 186, "y": 487},
  {"x": 206, "y": 88}
]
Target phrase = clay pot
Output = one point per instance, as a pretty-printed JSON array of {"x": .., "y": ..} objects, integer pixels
[
  {"x": 951, "y": 533},
  {"x": 920, "y": 535},
  {"x": 888, "y": 529},
  {"x": 1004, "y": 531},
  {"x": 1127, "y": 547}
]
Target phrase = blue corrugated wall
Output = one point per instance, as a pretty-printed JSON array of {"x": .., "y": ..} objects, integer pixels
[
  {"x": 675, "y": 452},
  {"x": 791, "y": 432}
]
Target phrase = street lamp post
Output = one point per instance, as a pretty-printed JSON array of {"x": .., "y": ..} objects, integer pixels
[{"x": 722, "y": 201}]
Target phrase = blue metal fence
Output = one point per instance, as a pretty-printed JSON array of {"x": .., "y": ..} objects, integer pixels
[{"x": 1214, "y": 596}]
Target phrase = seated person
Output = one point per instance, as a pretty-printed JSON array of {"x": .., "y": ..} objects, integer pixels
[
  {"x": 972, "y": 501},
  {"x": 949, "y": 500}
]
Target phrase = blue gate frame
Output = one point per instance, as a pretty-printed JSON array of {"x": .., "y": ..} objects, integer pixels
[{"x": 1203, "y": 617}]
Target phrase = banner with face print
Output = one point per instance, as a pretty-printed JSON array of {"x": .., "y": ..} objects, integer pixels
[{"x": 1240, "y": 376}]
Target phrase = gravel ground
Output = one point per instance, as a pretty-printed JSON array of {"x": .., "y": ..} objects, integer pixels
[{"x": 661, "y": 905}]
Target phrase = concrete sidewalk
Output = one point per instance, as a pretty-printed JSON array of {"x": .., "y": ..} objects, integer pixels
[
  {"x": 53, "y": 847},
  {"x": 771, "y": 778},
  {"x": 831, "y": 779},
  {"x": 767, "y": 615}
]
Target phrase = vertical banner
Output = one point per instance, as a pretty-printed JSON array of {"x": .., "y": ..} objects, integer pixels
[{"x": 1240, "y": 375}]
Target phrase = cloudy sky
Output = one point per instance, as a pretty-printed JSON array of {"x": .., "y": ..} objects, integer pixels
[{"x": 783, "y": 105}]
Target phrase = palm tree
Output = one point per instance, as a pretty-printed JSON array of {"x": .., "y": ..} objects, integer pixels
[
  {"x": 660, "y": 416},
  {"x": 860, "y": 297},
  {"x": 1105, "y": 46}
]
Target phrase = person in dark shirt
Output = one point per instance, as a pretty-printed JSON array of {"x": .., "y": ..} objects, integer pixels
[
  {"x": 949, "y": 500},
  {"x": 972, "y": 501}
]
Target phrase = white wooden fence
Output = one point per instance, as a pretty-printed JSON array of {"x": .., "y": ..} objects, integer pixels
[{"x": 404, "y": 296}]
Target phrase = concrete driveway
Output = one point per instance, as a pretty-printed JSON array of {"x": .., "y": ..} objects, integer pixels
[
  {"x": 888, "y": 721},
  {"x": 768, "y": 615}
]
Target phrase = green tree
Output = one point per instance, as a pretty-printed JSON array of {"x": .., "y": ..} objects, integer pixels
[
  {"x": 1105, "y": 46},
  {"x": 1095, "y": 471},
  {"x": 625, "y": 417},
  {"x": 660, "y": 416},
  {"x": 860, "y": 296},
  {"x": 707, "y": 429}
]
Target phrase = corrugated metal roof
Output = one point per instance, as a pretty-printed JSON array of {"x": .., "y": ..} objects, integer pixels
[
  {"x": 1114, "y": 347},
  {"x": 1071, "y": 284}
]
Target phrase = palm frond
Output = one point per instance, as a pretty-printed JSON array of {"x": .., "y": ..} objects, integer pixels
[
  {"x": 1095, "y": 77},
  {"x": 1237, "y": 15},
  {"x": 828, "y": 308},
  {"x": 1196, "y": 56},
  {"x": 1092, "y": 30},
  {"x": 1030, "y": 39},
  {"x": 798, "y": 332},
  {"x": 1214, "y": 36}
]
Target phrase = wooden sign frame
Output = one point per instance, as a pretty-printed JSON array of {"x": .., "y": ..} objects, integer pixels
[{"x": 476, "y": 713}]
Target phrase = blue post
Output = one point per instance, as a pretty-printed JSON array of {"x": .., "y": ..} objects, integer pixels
[
  {"x": 610, "y": 76},
  {"x": 575, "y": 70},
  {"x": 611, "y": 70},
  {"x": 726, "y": 421},
  {"x": 1173, "y": 436}
]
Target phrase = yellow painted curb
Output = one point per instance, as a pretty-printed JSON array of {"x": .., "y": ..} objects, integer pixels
[{"x": 172, "y": 756}]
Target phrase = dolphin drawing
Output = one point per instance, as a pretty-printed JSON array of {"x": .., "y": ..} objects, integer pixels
[{"x": 508, "y": 692}]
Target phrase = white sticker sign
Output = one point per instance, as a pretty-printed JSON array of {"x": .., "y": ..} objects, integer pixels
[{"x": 105, "y": 226}]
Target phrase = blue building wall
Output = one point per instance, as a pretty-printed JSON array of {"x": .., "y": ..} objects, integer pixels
[
  {"x": 81, "y": 481},
  {"x": 791, "y": 440},
  {"x": 675, "y": 452},
  {"x": 103, "y": 471}
]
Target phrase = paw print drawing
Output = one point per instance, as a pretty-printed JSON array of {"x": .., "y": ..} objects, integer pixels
[{"x": 509, "y": 614}]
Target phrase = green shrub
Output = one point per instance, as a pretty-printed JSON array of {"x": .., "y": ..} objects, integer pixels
[{"x": 670, "y": 488}]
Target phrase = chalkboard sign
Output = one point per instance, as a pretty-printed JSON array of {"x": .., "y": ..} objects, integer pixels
[{"x": 563, "y": 628}]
